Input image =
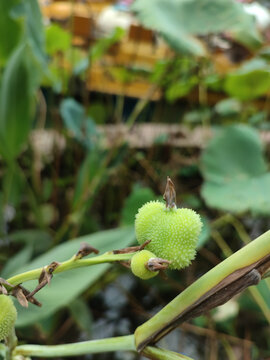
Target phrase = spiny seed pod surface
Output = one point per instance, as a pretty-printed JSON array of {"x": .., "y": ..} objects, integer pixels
[
  {"x": 138, "y": 262},
  {"x": 173, "y": 232},
  {"x": 8, "y": 315}
]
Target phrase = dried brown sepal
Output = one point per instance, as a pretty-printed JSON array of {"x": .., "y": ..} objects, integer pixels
[
  {"x": 30, "y": 299},
  {"x": 132, "y": 249},
  {"x": 170, "y": 195},
  {"x": 156, "y": 264},
  {"x": 3, "y": 290},
  {"x": 23, "y": 296},
  {"x": 5, "y": 282},
  {"x": 5, "y": 286},
  {"x": 18, "y": 293},
  {"x": 85, "y": 249},
  {"x": 44, "y": 278},
  {"x": 50, "y": 268}
]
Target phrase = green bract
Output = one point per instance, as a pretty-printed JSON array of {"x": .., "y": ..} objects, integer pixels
[
  {"x": 8, "y": 315},
  {"x": 173, "y": 232},
  {"x": 138, "y": 262}
]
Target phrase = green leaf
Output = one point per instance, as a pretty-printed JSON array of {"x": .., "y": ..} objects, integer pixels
[
  {"x": 138, "y": 197},
  {"x": 179, "y": 20},
  {"x": 81, "y": 314},
  {"x": 228, "y": 107},
  {"x": 250, "y": 81},
  {"x": 8, "y": 25},
  {"x": 16, "y": 100},
  {"x": 57, "y": 39},
  {"x": 16, "y": 261},
  {"x": 234, "y": 170},
  {"x": 103, "y": 45},
  {"x": 40, "y": 240},
  {"x": 67, "y": 286},
  {"x": 21, "y": 78},
  {"x": 13, "y": 186},
  {"x": 180, "y": 88},
  {"x": 34, "y": 33},
  {"x": 81, "y": 126}
]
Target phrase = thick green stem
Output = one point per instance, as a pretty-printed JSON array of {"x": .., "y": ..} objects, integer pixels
[
  {"x": 155, "y": 353},
  {"x": 70, "y": 264},
  {"x": 122, "y": 343}
]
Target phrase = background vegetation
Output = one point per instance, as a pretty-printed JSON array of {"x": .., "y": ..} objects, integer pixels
[{"x": 65, "y": 176}]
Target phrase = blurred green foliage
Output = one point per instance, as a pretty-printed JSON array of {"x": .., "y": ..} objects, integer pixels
[
  {"x": 235, "y": 172},
  {"x": 173, "y": 20},
  {"x": 61, "y": 179}
]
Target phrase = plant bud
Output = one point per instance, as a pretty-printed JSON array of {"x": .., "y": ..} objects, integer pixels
[{"x": 139, "y": 262}]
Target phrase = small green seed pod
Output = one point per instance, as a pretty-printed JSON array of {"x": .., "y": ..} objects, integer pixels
[
  {"x": 173, "y": 232},
  {"x": 8, "y": 316},
  {"x": 138, "y": 264}
]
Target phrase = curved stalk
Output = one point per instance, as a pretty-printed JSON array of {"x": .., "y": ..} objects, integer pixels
[
  {"x": 121, "y": 343},
  {"x": 70, "y": 264}
]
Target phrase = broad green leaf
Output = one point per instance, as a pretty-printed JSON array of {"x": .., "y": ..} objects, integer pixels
[
  {"x": 81, "y": 315},
  {"x": 179, "y": 20},
  {"x": 16, "y": 101},
  {"x": 250, "y": 81},
  {"x": 8, "y": 25},
  {"x": 28, "y": 14},
  {"x": 228, "y": 107},
  {"x": 234, "y": 170},
  {"x": 57, "y": 39},
  {"x": 66, "y": 286},
  {"x": 34, "y": 32},
  {"x": 20, "y": 77},
  {"x": 82, "y": 126},
  {"x": 16, "y": 261},
  {"x": 40, "y": 240},
  {"x": 12, "y": 186}
]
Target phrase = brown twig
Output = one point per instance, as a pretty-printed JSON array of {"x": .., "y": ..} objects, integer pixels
[{"x": 132, "y": 248}]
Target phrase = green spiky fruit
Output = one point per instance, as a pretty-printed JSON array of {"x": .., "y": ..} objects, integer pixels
[
  {"x": 173, "y": 232},
  {"x": 138, "y": 262},
  {"x": 8, "y": 316}
]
